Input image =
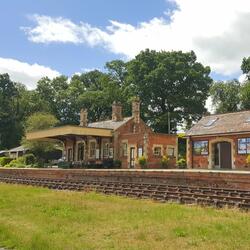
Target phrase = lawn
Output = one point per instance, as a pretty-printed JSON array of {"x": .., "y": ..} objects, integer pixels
[{"x": 36, "y": 218}]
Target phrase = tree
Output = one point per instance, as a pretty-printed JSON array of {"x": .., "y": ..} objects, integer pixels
[
  {"x": 41, "y": 149},
  {"x": 245, "y": 67},
  {"x": 54, "y": 93},
  {"x": 117, "y": 70},
  {"x": 171, "y": 85},
  {"x": 96, "y": 91},
  {"x": 226, "y": 96},
  {"x": 245, "y": 95},
  {"x": 10, "y": 127},
  {"x": 245, "y": 90}
]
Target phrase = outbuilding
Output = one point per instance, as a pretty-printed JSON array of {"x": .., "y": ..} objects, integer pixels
[{"x": 220, "y": 141}]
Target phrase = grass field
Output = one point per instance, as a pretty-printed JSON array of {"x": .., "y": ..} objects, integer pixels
[{"x": 36, "y": 218}]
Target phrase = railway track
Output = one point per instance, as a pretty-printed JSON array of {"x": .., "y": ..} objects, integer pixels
[{"x": 217, "y": 197}]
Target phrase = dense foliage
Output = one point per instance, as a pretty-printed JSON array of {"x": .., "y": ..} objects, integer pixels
[
  {"x": 173, "y": 88},
  {"x": 41, "y": 149}
]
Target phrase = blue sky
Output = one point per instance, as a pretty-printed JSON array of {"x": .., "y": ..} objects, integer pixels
[
  {"x": 68, "y": 58},
  {"x": 45, "y": 37}
]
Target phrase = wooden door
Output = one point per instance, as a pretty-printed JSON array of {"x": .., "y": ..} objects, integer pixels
[
  {"x": 225, "y": 155},
  {"x": 132, "y": 157}
]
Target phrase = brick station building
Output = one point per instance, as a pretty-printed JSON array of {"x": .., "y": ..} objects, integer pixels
[
  {"x": 121, "y": 138},
  {"x": 220, "y": 142}
]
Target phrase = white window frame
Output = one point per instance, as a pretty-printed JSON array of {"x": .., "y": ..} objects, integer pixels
[
  {"x": 105, "y": 151},
  {"x": 159, "y": 153}
]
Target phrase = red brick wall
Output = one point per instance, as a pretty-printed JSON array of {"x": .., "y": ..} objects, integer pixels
[
  {"x": 137, "y": 138},
  {"x": 164, "y": 140},
  {"x": 239, "y": 160},
  {"x": 172, "y": 177}
]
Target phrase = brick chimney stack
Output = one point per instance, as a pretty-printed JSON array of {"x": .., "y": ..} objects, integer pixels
[
  {"x": 116, "y": 111},
  {"x": 136, "y": 109},
  {"x": 84, "y": 118}
]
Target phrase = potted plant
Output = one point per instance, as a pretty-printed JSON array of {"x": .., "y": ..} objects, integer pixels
[
  {"x": 164, "y": 161},
  {"x": 181, "y": 163},
  {"x": 142, "y": 160},
  {"x": 248, "y": 161}
]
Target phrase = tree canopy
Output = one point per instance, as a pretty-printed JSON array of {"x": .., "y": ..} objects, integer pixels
[
  {"x": 226, "y": 96},
  {"x": 173, "y": 86},
  {"x": 231, "y": 96},
  {"x": 41, "y": 149},
  {"x": 169, "y": 83},
  {"x": 10, "y": 116}
]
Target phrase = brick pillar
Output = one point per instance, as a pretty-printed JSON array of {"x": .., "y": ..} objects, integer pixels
[
  {"x": 116, "y": 145},
  {"x": 136, "y": 109},
  {"x": 84, "y": 118},
  {"x": 189, "y": 153},
  {"x": 116, "y": 111}
]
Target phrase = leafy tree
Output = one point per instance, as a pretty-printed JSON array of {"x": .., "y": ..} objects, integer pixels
[
  {"x": 117, "y": 70},
  {"x": 55, "y": 95},
  {"x": 226, "y": 96},
  {"x": 96, "y": 91},
  {"x": 40, "y": 121},
  {"x": 245, "y": 67},
  {"x": 10, "y": 126},
  {"x": 245, "y": 95},
  {"x": 169, "y": 84},
  {"x": 41, "y": 149}
]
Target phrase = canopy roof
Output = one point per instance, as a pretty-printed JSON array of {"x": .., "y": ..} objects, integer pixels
[
  {"x": 66, "y": 131},
  {"x": 17, "y": 149}
]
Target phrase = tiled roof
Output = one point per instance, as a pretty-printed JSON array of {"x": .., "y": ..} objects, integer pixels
[
  {"x": 109, "y": 123},
  {"x": 222, "y": 123}
]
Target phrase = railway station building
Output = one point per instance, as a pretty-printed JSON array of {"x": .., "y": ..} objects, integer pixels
[{"x": 122, "y": 139}]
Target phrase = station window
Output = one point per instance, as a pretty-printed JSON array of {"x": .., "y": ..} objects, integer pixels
[
  {"x": 170, "y": 151},
  {"x": 124, "y": 149},
  {"x": 105, "y": 150},
  {"x": 157, "y": 151},
  {"x": 92, "y": 148},
  {"x": 244, "y": 146},
  {"x": 200, "y": 147}
]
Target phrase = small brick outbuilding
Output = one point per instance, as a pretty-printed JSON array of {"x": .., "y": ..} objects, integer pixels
[{"x": 220, "y": 142}]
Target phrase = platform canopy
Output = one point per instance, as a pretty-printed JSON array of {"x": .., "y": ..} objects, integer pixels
[{"x": 61, "y": 133}]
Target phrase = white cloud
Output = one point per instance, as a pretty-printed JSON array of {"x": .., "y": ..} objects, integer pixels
[
  {"x": 25, "y": 73},
  {"x": 242, "y": 78},
  {"x": 218, "y": 31}
]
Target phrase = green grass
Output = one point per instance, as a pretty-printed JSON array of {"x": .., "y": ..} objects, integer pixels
[{"x": 36, "y": 218}]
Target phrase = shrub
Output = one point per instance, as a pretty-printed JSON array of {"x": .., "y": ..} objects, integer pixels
[
  {"x": 18, "y": 163},
  {"x": 181, "y": 163},
  {"x": 5, "y": 160},
  {"x": 29, "y": 159},
  {"x": 117, "y": 164},
  {"x": 142, "y": 161},
  {"x": 164, "y": 161},
  {"x": 64, "y": 164},
  {"x": 248, "y": 159}
]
